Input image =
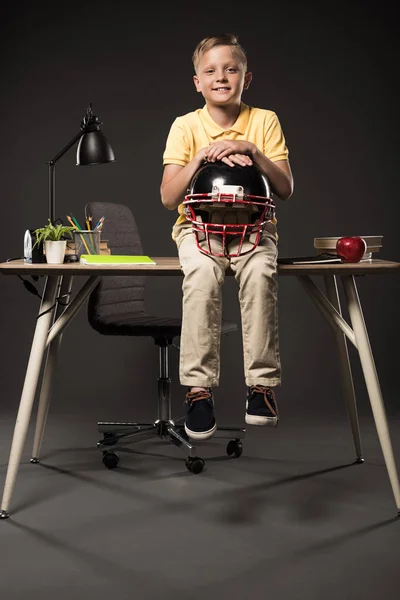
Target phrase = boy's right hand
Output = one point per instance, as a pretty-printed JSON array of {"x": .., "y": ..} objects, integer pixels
[{"x": 239, "y": 152}]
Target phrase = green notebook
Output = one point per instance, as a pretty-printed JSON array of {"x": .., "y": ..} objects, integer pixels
[{"x": 115, "y": 259}]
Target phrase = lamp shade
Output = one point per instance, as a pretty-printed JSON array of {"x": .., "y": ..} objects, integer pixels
[{"x": 94, "y": 149}]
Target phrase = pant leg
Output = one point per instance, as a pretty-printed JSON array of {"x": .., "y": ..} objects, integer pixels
[
  {"x": 204, "y": 276},
  {"x": 258, "y": 296}
]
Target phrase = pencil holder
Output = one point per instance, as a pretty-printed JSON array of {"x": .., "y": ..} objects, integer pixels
[{"x": 87, "y": 242}]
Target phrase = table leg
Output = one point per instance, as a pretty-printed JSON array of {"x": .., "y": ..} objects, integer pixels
[
  {"x": 372, "y": 382},
  {"x": 345, "y": 368},
  {"x": 44, "y": 320},
  {"x": 48, "y": 372}
]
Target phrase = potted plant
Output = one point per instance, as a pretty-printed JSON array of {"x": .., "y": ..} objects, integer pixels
[{"x": 53, "y": 239}]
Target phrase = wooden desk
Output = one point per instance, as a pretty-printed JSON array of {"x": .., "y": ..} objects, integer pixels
[{"x": 58, "y": 308}]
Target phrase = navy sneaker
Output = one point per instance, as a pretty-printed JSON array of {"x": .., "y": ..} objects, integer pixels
[
  {"x": 261, "y": 407},
  {"x": 200, "y": 421}
]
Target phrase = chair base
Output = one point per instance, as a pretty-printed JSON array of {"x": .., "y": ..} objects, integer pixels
[{"x": 119, "y": 434}]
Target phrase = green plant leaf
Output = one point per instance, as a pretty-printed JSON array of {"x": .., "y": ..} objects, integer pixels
[{"x": 52, "y": 233}]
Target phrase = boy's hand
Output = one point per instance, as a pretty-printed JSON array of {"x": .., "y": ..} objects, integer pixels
[
  {"x": 231, "y": 152},
  {"x": 237, "y": 159}
]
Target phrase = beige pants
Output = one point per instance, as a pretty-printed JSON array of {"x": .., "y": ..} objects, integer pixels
[{"x": 202, "y": 311}]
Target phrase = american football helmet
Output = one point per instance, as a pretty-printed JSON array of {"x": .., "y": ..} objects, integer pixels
[{"x": 228, "y": 208}]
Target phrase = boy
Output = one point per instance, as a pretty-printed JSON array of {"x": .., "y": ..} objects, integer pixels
[{"x": 226, "y": 130}]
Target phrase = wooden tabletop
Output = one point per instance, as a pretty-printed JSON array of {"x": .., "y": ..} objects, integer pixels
[{"x": 166, "y": 265}]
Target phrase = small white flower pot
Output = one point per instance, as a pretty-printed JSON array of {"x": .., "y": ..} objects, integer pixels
[{"x": 55, "y": 251}]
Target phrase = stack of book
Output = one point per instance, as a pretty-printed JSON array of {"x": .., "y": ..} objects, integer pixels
[
  {"x": 104, "y": 249},
  {"x": 328, "y": 244}
]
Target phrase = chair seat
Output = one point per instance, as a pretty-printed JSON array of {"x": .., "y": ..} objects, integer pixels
[
  {"x": 138, "y": 324},
  {"x": 142, "y": 324}
]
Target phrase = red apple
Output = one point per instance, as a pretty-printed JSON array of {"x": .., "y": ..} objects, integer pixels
[{"x": 351, "y": 248}]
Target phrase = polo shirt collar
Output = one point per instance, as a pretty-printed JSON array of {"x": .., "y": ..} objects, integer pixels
[{"x": 215, "y": 130}]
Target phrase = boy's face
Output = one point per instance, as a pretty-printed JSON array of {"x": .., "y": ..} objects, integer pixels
[{"x": 220, "y": 77}]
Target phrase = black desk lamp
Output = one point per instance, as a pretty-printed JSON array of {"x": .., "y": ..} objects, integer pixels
[{"x": 93, "y": 149}]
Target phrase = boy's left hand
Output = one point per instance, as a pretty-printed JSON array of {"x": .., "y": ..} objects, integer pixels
[{"x": 231, "y": 152}]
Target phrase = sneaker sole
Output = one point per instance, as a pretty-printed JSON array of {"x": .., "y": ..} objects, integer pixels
[
  {"x": 261, "y": 421},
  {"x": 201, "y": 435}
]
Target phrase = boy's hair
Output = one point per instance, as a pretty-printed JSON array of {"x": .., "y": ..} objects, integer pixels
[{"x": 225, "y": 39}]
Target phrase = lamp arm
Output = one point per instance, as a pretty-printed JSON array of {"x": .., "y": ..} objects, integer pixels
[
  {"x": 52, "y": 173},
  {"x": 67, "y": 147}
]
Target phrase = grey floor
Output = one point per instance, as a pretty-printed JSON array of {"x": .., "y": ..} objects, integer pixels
[{"x": 292, "y": 518}]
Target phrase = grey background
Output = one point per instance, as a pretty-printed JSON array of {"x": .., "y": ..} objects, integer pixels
[
  {"x": 328, "y": 72},
  {"x": 293, "y": 518}
]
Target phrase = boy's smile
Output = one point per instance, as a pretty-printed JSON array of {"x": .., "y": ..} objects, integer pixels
[{"x": 221, "y": 90}]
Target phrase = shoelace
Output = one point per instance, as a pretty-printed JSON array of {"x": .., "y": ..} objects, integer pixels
[
  {"x": 196, "y": 396},
  {"x": 259, "y": 389}
]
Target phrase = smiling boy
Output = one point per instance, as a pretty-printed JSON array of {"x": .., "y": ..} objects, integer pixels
[{"x": 226, "y": 130}]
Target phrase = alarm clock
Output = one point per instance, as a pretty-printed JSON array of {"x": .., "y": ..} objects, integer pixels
[{"x": 32, "y": 253}]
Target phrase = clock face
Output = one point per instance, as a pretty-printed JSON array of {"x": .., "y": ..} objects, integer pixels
[{"x": 28, "y": 246}]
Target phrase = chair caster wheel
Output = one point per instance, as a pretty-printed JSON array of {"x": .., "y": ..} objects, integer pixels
[
  {"x": 110, "y": 460},
  {"x": 196, "y": 465},
  {"x": 234, "y": 448}
]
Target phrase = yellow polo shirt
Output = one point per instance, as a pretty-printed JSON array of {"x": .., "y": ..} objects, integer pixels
[{"x": 195, "y": 130}]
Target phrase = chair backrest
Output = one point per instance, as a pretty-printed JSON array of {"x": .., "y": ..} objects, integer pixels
[{"x": 122, "y": 295}]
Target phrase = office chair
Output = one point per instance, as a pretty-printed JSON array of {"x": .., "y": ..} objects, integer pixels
[{"x": 116, "y": 307}]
